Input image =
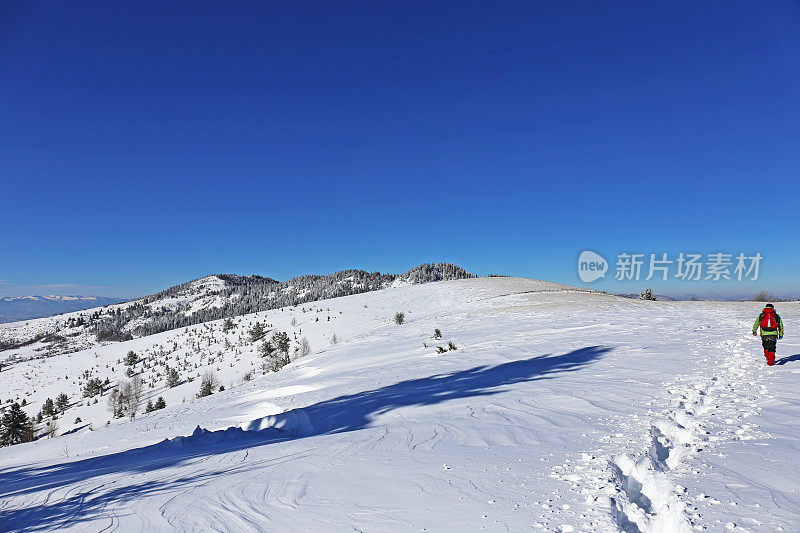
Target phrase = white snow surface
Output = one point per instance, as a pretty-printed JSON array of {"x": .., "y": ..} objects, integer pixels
[{"x": 560, "y": 410}]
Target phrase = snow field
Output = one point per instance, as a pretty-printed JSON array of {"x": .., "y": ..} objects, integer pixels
[{"x": 559, "y": 411}]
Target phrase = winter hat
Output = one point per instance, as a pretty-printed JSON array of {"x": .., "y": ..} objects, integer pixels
[{"x": 770, "y": 305}]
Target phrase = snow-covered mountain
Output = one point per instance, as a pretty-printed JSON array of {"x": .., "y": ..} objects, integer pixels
[
  {"x": 209, "y": 298},
  {"x": 497, "y": 404},
  {"x": 16, "y": 308},
  {"x": 227, "y": 295}
]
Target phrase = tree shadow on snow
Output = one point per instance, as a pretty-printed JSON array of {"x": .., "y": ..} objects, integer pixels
[
  {"x": 337, "y": 415},
  {"x": 788, "y": 359}
]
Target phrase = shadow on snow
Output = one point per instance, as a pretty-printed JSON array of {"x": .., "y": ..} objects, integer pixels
[
  {"x": 788, "y": 359},
  {"x": 337, "y": 415}
]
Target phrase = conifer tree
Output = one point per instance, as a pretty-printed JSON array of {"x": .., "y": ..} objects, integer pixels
[
  {"x": 256, "y": 332},
  {"x": 48, "y": 408},
  {"x": 62, "y": 402},
  {"x": 173, "y": 378},
  {"x": 15, "y": 427},
  {"x": 131, "y": 359}
]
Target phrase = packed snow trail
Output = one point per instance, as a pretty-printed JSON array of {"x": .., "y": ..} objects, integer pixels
[
  {"x": 647, "y": 487},
  {"x": 561, "y": 411}
]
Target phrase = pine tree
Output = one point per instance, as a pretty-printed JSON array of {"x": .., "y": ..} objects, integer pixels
[
  {"x": 280, "y": 357},
  {"x": 227, "y": 325},
  {"x": 93, "y": 387},
  {"x": 15, "y": 427},
  {"x": 173, "y": 378},
  {"x": 267, "y": 349},
  {"x": 62, "y": 402},
  {"x": 282, "y": 343},
  {"x": 131, "y": 359},
  {"x": 48, "y": 408},
  {"x": 256, "y": 332},
  {"x": 160, "y": 403}
]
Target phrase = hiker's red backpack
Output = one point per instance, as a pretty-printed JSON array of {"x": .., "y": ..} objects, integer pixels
[{"x": 769, "y": 320}]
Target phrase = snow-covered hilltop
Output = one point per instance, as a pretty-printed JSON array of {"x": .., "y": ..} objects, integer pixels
[
  {"x": 209, "y": 298},
  {"x": 498, "y": 404}
]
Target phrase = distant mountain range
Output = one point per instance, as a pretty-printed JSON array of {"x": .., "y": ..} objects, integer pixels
[{"x": 16, "y": 308}]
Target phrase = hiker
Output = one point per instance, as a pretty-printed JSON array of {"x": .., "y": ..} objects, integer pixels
[{"x": 771, "y": 331}]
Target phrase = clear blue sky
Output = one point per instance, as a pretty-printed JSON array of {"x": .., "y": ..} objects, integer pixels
[{"x": 142, "y": 145}]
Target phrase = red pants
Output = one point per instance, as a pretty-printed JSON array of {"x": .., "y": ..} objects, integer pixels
[{"x": 769, "y": 343}]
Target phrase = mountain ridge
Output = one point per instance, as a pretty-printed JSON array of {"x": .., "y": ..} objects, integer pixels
[{"x": 210, "y": 298}]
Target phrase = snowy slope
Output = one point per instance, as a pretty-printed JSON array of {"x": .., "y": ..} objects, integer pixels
[{"x": 560, "y": 410}]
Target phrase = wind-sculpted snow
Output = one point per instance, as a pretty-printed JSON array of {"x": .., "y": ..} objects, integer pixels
[
  {"x": 337, "y": 415},
  {"x": 355, "y": 411},
  {"x": 558, "y": 410}
]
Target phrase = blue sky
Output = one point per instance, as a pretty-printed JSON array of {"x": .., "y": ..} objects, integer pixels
[{"x": 142, "y": 146}]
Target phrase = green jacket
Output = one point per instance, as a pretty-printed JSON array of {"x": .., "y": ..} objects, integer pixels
[{"x": 769, "y": 331}]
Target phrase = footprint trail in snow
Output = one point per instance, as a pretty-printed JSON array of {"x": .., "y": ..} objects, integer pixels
[{"x": 640, "y": 489}]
